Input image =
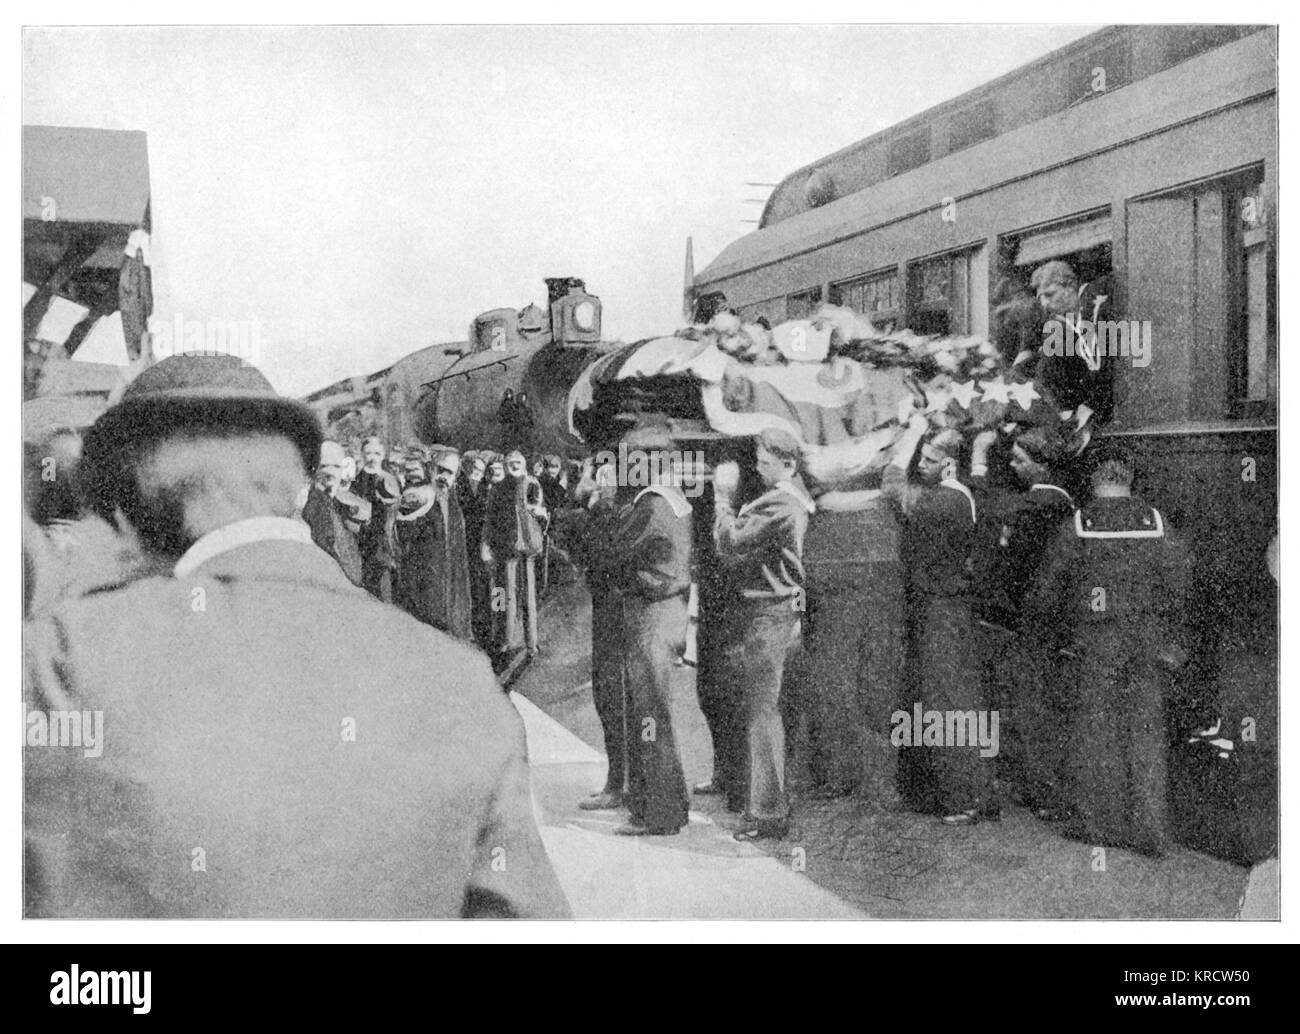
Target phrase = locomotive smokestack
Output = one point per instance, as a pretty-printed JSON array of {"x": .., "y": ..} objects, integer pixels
[{"x": 559, "y": 286}]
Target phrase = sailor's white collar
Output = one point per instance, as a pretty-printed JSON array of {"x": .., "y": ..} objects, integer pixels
[
  {"x": 241, "y": 533},
  {"x": 670, "y": 492},
  {"x": 957, "y": 486},
  {"x": 1053, "y": 488}
]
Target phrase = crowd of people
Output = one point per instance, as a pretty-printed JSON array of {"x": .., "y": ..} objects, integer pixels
[
  {"x": 441, "y": 532},
  {"x": 984, "y": 619}
]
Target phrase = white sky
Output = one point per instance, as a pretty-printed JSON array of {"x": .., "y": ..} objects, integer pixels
[{"x": 362, "y": 192}]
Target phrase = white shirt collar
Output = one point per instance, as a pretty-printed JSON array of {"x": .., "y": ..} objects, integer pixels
[
  {"x": 241, "y": 533},
  {"x": 676, "y": 499}
]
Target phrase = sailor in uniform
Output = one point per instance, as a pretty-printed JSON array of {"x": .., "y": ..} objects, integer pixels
[
  {"x": 648, "y": 583},
  {"x": 1019, "y": 668},
  {"x": 1111, "y": 593},
  {"x": 761, "y": 545},
  {"x": 939, "y": 530}
]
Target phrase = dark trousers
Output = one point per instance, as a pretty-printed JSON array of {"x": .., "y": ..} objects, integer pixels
[
  {"x": 951, "y": 679},
  {"x": 719, "y": 694},
  {"x": 377, "y": 578},
  {"x": 763, "y": 636},
  {"x": 1117, "y": 748},
  {"x": 1020, "y": 677},
  {"x": 854, "y": 645},
  {"x": 480, "y": 596},
  {"x": 653, "y": 636},
  {"x": 607, "y": 684}
]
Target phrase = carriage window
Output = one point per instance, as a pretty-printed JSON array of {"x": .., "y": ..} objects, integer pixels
[
  {"x": 876, "y": 295},
  {"x": 907, "y": 152},
  {"x": 772, "y": 309},
  {"x": 971, "y": 126},
  {"x": 1186, "y": 41},
  {"x": 802, "y": 305},
  {"x": 1098, "y": 73},
  {"x": 939, "y": 294}
]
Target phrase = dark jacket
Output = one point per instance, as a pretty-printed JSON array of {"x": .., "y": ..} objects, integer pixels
[
  {"x": 325, "y": 517},
  {"x": 1014, "y": 536},
  {"x": 939, "y": 523},
  {"x": 1085, "y": 377},
  {"x": 648, "y": 554},
  {"x": 375, "y": 539},
  {"x": 762, "y": 543},
  {"x": 1116, "y": 567},
  {"x": 433, "y": 567}
]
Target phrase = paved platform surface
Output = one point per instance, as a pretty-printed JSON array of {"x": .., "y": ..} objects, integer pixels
[
  {"x": 702, "y": 873},
  {"x": 842, "y": 860}
]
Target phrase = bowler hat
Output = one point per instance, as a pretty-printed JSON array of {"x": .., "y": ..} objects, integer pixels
[{"x": 211, "y": 392}]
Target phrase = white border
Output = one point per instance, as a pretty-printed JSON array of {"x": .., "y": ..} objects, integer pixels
[{"x": 1084, "y": 932}]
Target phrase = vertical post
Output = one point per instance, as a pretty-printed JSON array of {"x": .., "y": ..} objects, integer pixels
[
  {"x": 511, "y": 637},
  {"x": 530, "y": 581},
  {"x": 546, "y": 561}
]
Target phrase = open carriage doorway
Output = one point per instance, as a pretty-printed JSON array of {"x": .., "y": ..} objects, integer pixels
[{"x": 1083, "y": 242}]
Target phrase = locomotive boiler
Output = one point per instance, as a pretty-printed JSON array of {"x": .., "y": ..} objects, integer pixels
[{"x": 505, "y": 386}]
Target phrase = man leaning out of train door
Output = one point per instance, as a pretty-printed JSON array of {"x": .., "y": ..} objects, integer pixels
[
  {"x": 763, "y": 545},
  {"x": 1072, "y": 362}
]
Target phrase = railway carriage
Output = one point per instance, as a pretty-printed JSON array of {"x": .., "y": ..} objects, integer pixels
[{"x": 1146, "y": 157}]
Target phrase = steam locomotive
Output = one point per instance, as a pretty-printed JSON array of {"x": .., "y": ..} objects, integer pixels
[{"x": 506, "y": 384}]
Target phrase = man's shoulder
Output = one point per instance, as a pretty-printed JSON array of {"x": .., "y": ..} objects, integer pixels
[
  {"x": 137, "y": 599},
  {"x": 1045, "y": 503},
  {"x": 334, "y": 638},
  {"x": 656, "y": 501},
  {"x": 946, "y": 501}
]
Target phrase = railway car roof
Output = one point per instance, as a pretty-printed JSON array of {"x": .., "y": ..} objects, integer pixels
[{"x": 1214, "y": 79}]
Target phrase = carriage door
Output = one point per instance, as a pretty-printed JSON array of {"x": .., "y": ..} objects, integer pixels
[{"x": 1189, "y": 274}]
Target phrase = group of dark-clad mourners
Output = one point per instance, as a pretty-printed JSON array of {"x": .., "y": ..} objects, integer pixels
[{"x": 438, "y": 531}]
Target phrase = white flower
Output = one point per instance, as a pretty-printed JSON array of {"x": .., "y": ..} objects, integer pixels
[{"x": 726, "y": 324}]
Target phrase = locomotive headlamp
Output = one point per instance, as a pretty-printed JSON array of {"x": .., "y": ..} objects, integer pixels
[{"x": 584, "y": 316}]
